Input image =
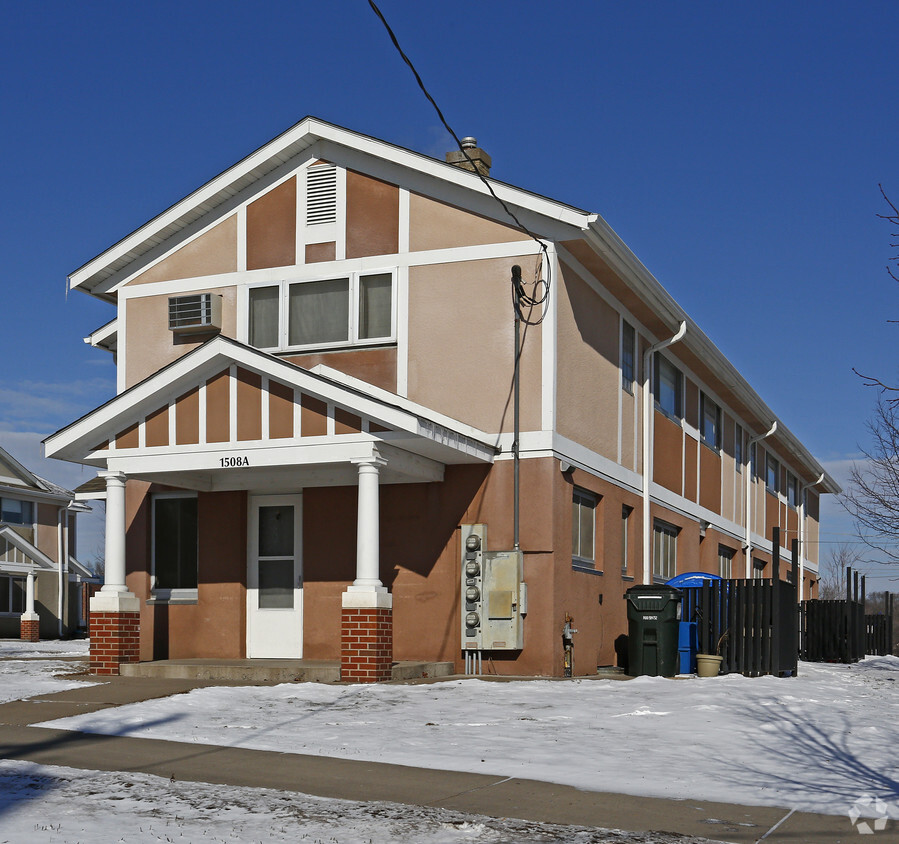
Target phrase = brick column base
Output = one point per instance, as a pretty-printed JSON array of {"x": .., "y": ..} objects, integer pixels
[
  {"x": 115, "y": 639},
  {"x": 29, "y": 629},
  {"x": 366, "y": 644}
]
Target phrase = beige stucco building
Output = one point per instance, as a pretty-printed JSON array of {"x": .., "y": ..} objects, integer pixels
[{"x": 315, "y": 355}]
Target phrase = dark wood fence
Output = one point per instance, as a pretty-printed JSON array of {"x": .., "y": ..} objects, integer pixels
[
  {"x": 879, "y": 634},
  {"x": 756, "y": 621}
]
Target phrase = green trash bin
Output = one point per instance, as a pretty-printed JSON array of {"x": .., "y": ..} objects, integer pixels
[{"x": 653, "y": 616}]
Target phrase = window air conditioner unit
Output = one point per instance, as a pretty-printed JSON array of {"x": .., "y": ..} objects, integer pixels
[{"x": 197, "y": 314}]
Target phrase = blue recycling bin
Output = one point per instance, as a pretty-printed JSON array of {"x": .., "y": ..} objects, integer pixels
[{"x": 687, "y": 647}]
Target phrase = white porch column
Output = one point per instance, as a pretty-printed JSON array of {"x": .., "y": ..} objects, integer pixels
[
  {"x": 29, "y": 596},
  {"x": 368, "y": 575},
  {"x": 114, "y": 595},
  {"x": 114, "y": 577}
]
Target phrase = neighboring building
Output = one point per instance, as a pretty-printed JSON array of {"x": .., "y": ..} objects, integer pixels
[
  {"x": 37, "y": 531},
  {"x": 314, "y": 415}
]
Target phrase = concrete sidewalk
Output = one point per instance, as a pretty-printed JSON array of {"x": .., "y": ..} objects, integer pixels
[{"x": 327, "y": 777}]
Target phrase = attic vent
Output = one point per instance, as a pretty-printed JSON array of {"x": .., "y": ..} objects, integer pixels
[
  {"x": 321, "y": 194},
  {"x": 194, "y": 314}
]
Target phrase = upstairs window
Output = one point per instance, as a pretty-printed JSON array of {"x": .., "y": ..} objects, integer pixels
[
  {"x": 628, "y": 342},
  {"x": 324, "y": 313},
  {"x": 772, "y": 471},
  {"x": 738, "y": 447},
  {"x": 15, "y": 512},
  {"x": 669, "y": 388},
  {"x": 711, "y": 423},
  {"x": 625, "y": 544},
  {"x": 792, "y": 490}
]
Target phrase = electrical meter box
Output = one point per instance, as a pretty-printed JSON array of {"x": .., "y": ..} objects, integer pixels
[{"x": 494, "y": 598}]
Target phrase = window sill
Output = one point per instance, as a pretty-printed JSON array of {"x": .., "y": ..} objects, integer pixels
[
  {"x": 173, "y": 596},
  {"x": 324, "y": 348},
  {"x": 586, "y": 568},
  {"x": 628, "y": 577}
]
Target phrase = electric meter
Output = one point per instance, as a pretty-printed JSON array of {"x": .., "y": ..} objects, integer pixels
[
  {"x": 472, "y": 619},
  {"x": 473, "y": 543},
  {"x": 472, "y": 568},
  {"x": 472, "y": 594}
]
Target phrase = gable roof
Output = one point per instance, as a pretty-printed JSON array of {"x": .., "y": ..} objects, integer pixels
[
  {"x": 288, "y": 145},
  {"x": 28, "y": 556},
  {"x": 15, "y": 478}
]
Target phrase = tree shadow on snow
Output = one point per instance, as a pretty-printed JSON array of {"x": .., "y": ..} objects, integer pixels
[{"x": 806, "y": 762}]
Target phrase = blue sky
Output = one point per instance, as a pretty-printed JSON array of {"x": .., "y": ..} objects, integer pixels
[{"x": 736, "y": 148}]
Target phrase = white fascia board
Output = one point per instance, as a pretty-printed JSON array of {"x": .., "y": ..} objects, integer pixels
[
  {"x": 105, "y": 336},
  {"x": 290, "y": 144},
  {"x": 29, "y": 494}
]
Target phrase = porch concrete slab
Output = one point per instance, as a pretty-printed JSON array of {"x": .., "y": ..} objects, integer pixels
[
  {"x": 465, "y": 792},
  {"x": 260, "y": 671}
]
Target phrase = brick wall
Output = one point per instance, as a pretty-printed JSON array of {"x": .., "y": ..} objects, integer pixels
[
  {"x": 115, "y": 639},
  {"x": 30, "y": 629},
  {"x": 366, "y": 645}
]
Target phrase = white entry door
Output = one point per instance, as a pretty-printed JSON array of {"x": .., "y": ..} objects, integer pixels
[{"x": 275, "y": 577}]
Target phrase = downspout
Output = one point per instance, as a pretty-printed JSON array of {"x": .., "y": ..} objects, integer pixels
[
  {"x": 648, "y": 443},
  {"x": 748, "y": 472},
  {"x": 60, "y": 552},
  {"x": 802, "y": 492}
]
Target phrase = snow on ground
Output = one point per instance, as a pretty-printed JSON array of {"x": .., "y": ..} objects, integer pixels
[
  {"x": 816, "y": 742},
  {"x": 52, "y": 805},
  {"x": 28, "y": 669}
]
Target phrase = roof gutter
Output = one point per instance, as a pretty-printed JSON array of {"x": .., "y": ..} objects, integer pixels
[{"x": 649, "y": 442}]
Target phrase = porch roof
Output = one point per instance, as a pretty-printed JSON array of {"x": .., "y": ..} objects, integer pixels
[
  {"x": 19, "y": 556},
  {"x": 227, "y": 416}
]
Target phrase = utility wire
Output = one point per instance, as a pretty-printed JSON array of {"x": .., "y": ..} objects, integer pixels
[{"x": 520, "y": 297}]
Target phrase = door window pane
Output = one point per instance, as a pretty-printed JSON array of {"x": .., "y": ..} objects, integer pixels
[
  {"x": 374, "y": 306},
  {"x": 319, "y": 312},
  {"x": 264, "y": 317},
  {"x": 276, "y": 531},
  {"x": 276, "y": 584}
]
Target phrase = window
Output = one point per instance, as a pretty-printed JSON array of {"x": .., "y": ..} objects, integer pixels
[
  {"x": 628, "y": 342},
  {"x": 664, "y": 550},
  {"x": 12, "y": 595},
  {"x": 772, "y": 470},
  {"x": 725, "y": 561},
  {"x": 758, "y": 569},
  {"x": 711, "y": 422},
  {"x": 174, "y": 545},
  {"x": 738, "y": 446},
  {"x": 15, "y": 512},
  {"x": 353, "y": 310},
  {"x": 583, "y": 528},
  {"x": 625, "y": 517},
  {"x": 792, "y": 490},
  {"x": 669, "y": 388}
]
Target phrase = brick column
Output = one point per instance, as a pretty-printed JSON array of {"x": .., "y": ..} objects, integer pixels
[
  {"x": 115, "y": 639},
  {"x": 29, "y": 621},
  {"x": 29, "y": 629},
  {"x": 114, "y": 611},
  {"x": 366, "y": 644},
  {"x": 366, "y": 621}
]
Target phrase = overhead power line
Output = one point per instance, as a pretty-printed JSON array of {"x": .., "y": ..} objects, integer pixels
[{"x": 521, "y": 298}]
